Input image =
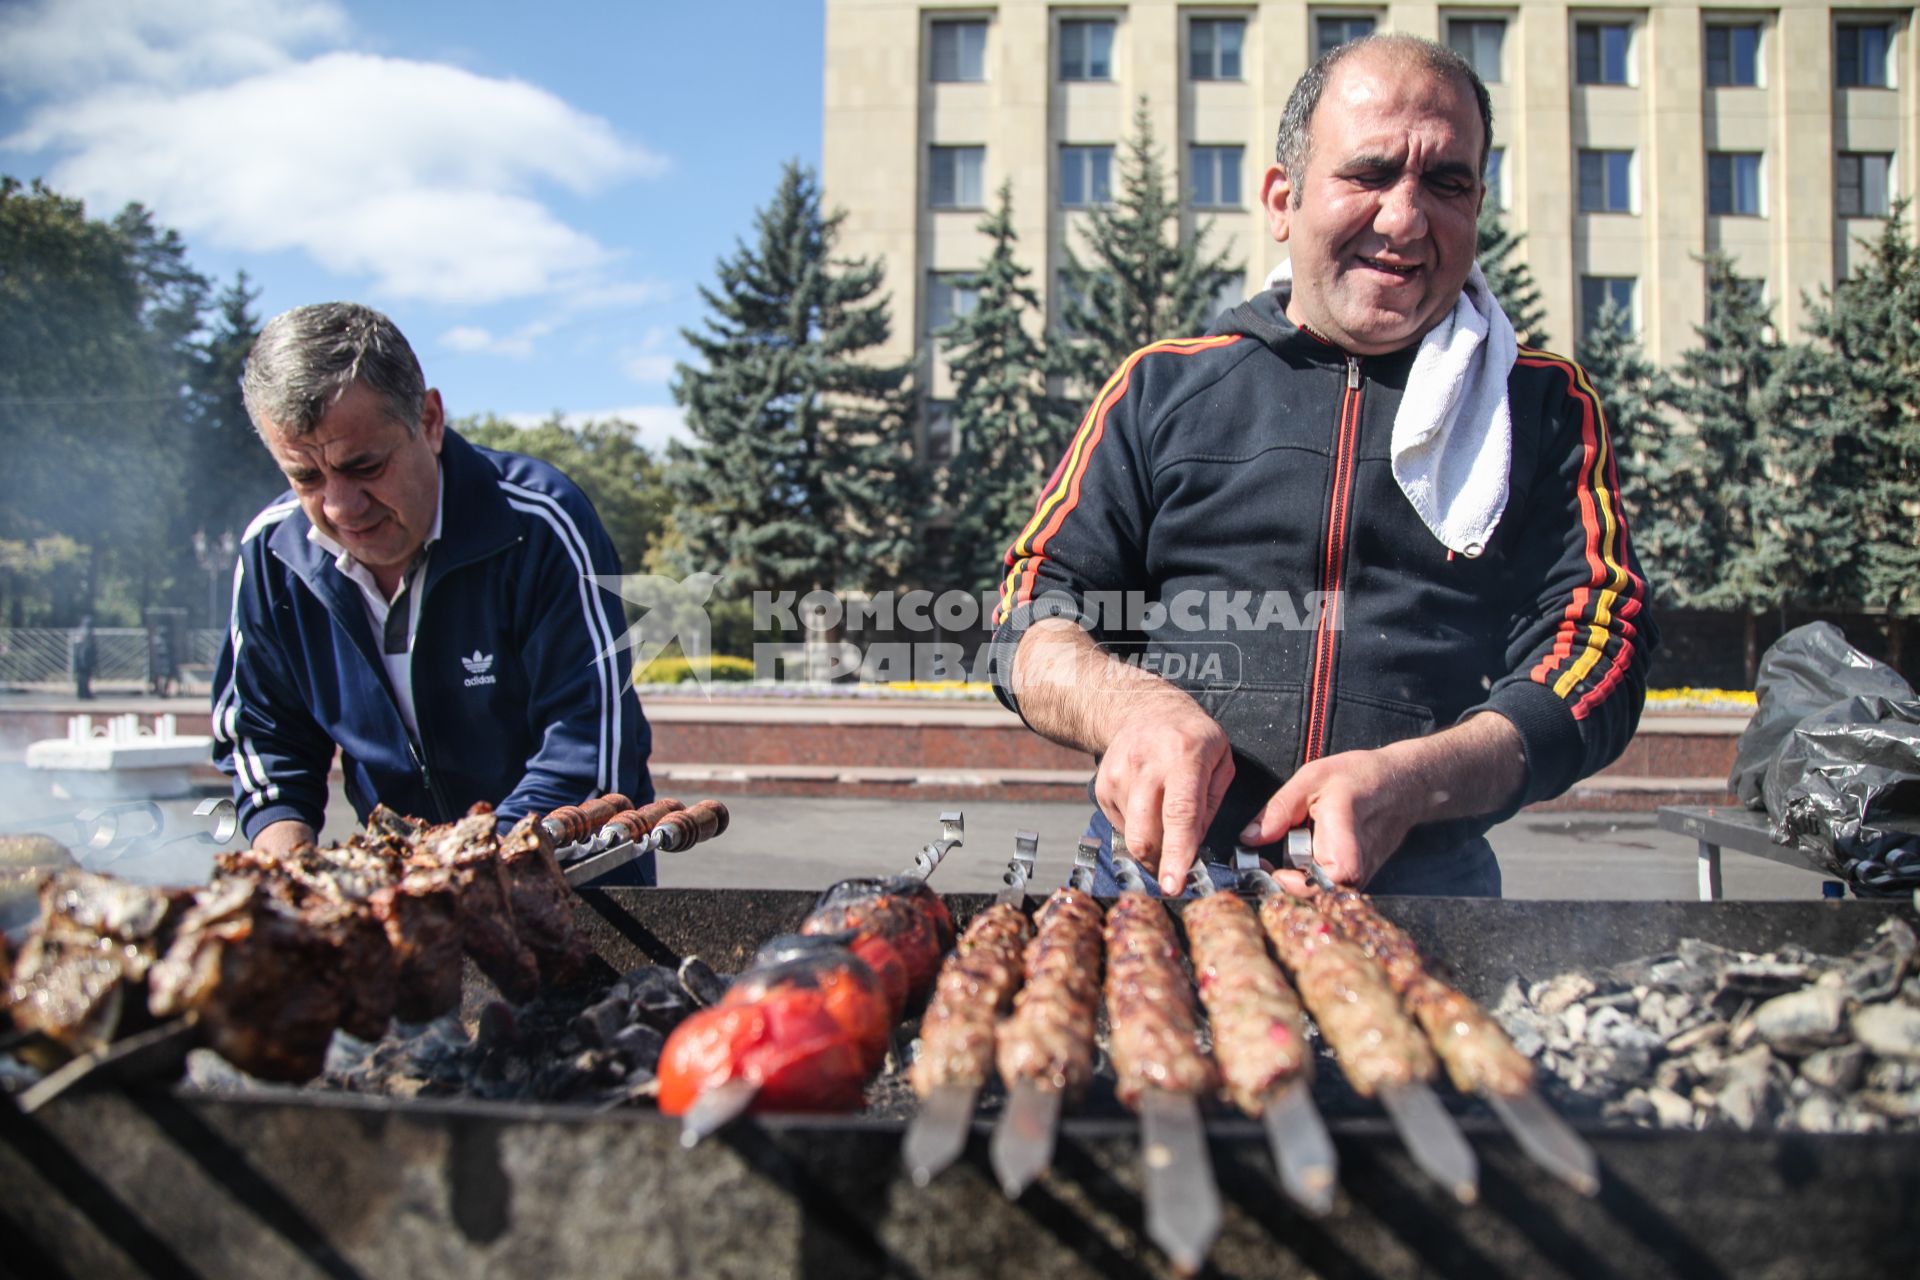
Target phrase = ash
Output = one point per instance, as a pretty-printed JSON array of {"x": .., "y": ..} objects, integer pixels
[{"x": 1704, "y": 1037}]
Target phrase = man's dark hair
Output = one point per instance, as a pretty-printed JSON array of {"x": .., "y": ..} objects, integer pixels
[
  {"x": 1293, "y": 147},
  {"x": 306, "y": 358}
]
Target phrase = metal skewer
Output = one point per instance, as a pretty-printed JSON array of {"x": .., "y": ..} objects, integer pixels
[
  {"x": 1183, "y": 1201},
  {"x": 938, "y": 1133},
  {"x": 1430, "y": 1135},
  {"x": 1548, "y": 1140},
  {"x": 953, "y": 826},
  {"x": 1023, "y": 1140},
  {"x": 1296, "y": 1134}
]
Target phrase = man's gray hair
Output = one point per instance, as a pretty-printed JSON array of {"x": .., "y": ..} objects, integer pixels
[
  {"x": 1294, "y": 146},
  {"x": 306, "y": 359}
]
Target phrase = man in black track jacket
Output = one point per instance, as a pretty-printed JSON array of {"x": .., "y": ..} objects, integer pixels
[{"x": 1240, "y": 596}]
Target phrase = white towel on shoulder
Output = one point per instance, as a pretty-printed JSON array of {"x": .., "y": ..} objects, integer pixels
[{"x": 1453, "y": 435}]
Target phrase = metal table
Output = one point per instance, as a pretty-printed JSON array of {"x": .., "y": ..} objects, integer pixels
[{"x": 1719, "y": 827}]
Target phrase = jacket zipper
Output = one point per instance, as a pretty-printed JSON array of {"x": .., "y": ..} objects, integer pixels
[
  {"x": 1326, "y": 633},
  {"x": 418, "y": 753}
]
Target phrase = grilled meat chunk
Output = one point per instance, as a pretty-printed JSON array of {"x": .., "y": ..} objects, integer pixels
[
  {"x": 468, "y": 852},
  {"x": 262, "y": 982},
  {"x": 1259, "y": 1029},
  {"x": 1470, "y": 1044},
  {"x": 1153, "y": 1025},
  {"x": 1048, "y": 1039},
  {"x": 80, "y": 979},
  {"x": 420, "y": 915},
  {"x": 1349, "y": 997},
  {"x": 975, "y": 988},
  {"x": 542, "y": 903}
]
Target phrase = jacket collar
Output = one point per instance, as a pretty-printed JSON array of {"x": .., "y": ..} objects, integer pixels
[{"x": 1264, "y": 316}]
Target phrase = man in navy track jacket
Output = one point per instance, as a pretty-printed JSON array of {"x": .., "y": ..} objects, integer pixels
[{"x": 423, "y": 605}]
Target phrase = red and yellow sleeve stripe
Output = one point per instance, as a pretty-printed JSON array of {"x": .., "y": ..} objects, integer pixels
[
  {"x": 1062, "y": 492},
  {"x": 1604, "y": 606}
]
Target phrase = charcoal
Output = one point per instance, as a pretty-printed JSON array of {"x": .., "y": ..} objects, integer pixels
[
  {"x": 698, "y": 980},
  {"x": 496, "y": 1027},
  {"x": 657, "y": 997},
  {"x": 1837, "y": 1069},
  {"x": 1801, "y": 1022},
  {"x": 599, "y": 1023},
  {"x": 1890, "y": 1030},
  {"x": 640, "y": 1045}
]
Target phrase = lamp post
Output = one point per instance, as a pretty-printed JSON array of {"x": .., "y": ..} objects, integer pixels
[{"x": 216, "y": 557}]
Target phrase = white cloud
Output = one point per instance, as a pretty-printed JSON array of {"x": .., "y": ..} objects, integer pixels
[
  {"x": 654, "y": 424},
  {"x": 651, "y": 363},
  {"x": 472, "y": 339},
  {"x": 649, "y": 368},
  {"x": 67, "y": 46},
  {"x": 421, "y": 177}
]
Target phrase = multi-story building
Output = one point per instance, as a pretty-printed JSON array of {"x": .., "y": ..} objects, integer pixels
[{"x": 1628, "y": 137}]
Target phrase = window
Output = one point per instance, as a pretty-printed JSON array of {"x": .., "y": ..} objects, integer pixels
[
  {"x": 939, "y": 430},
  {"x": 1733, "y": 183},
  {"x": 1860, "y": 55},
  {"x": 1606, "y": 182},
  {"x": 1334, "y": 32},
  {"x": 1084, "y": 173},
  {"x": 1213, "y": 48},
  {"x": 1733, "y": 55},
  {"x": 1216, "y": 176},
  {"x": 1600, "y": 52},
  {"x": 956, "y": 177},
  {"x": 959, "y": 51},
  {"x": 1497, "y": 176},
  {"x": 1086, "y": 49},
  {"x": 1863, "y": 179},
  {"x": 948, "y": 299},
  {"x": 1597, "y": 291},
  {"x": 1479, "y": 43}
]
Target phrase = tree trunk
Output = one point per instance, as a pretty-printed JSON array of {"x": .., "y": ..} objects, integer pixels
[{"x": 1753, "y": 649}]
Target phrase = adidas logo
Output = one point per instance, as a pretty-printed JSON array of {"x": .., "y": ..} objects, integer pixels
[{"x": 479, "y": 667}]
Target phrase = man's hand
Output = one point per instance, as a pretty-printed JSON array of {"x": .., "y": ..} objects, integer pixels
[
  {"x": 283, "y": 837},
  {"x": 1361, "y": 804},
  {"x": 1164, "y": 762},
  {"x": 1160, "y": 783}
]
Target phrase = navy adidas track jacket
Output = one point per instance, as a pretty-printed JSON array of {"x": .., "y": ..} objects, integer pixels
[{"x": 520, "y": 700}]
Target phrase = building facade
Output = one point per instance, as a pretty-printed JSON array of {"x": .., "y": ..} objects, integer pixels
[{"x": 1628, "y": 138}]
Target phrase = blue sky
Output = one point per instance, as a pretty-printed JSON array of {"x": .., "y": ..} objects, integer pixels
[{"x": 533, "y": 192}]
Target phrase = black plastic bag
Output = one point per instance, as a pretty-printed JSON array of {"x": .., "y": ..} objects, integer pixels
[
  {"x": 1804, "y": 672},
  {"x": 1833, "y": 755},
  {"x": 1848, "y": 779}
]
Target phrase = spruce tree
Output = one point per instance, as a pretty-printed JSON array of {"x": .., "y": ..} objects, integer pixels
[
  {"x": 1508, "y": 275},
  {"x": 1732, "y": 531},
  {"x": 1632, "y": 390},
  {"x": 1141, "y": 281},
  {"x": 1865, "y": 367},
  {"x": 798, "y": 476},
  {"x": 1008, "y": 428}
]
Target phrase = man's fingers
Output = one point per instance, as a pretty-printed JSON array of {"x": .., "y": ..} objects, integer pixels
[
  {"x": 1281, "y": 814},
  {"x": 1141, "y": 827}
]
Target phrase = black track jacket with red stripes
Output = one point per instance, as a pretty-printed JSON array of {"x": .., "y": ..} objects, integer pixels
[{"x": 1227, "y": 515}]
